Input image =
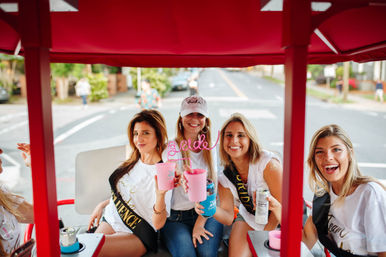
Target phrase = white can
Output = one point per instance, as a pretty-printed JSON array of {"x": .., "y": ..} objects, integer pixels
[{"x": 261, "y": 213}]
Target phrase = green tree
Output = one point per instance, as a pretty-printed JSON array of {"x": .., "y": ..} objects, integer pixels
[
  {"x": 316, "y": 70},
  {"x": 10, "y": 65},
  {"x": 98, "y": 84},
  {"x": 158, "y": 80}
]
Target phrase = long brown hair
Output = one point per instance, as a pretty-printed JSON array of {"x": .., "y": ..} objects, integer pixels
[
  {"x": 155, "y": 119},
  {"x": 255, "y": 148},
  {"x": 353, "y": 177},
  {"x": 206, "y": 153}
]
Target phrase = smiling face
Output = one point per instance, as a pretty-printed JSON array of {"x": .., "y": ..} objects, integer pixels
[
  {"x": 236, "y": 140},
  {"x": 144, "y": 137},
  {"x": 193, "y": 123},
  {"x": 332, "y": 160}
]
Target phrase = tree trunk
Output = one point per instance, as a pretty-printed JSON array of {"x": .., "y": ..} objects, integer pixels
[{"x": 346, "y": 71}]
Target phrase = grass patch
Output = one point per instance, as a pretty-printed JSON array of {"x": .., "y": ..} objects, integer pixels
[
  {"x": 318, "y": 94},
  {"x": 371, "y": 97},
  {"x": 274, "y": 80},
  {"x": 327, "y": 97},
  {"x": 68, "y": 100}
]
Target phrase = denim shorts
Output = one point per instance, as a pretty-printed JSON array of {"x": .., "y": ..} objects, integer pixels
[{"x": 239, "y": 218}]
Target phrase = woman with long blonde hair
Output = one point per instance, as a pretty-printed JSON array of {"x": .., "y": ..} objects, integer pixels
[
  {"x": 349, "y": 209},
  {"x": 247, "y": 168},
  {"x": 185, "y": 233}
]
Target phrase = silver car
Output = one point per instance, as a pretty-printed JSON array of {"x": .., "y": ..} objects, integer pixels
[{"x": 4, "y": 96}]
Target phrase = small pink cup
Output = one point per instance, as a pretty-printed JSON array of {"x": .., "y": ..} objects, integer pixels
[
  {"x": 165, "y": 175},
  {"x": 196, "y": 180},
  {"x": 274, "y": 239}
]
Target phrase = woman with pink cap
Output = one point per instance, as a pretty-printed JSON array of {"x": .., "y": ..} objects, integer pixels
[{"x": 185, "y": 233}]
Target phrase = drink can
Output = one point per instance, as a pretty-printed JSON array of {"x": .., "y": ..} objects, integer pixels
[
  {"x": 261, "y": 213},
  {"x": 210, "y": 203}
]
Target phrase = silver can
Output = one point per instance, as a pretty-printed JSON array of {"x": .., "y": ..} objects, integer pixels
[
  {"x": 261, "y": 213},
  {"x": 67, "y": 236}
]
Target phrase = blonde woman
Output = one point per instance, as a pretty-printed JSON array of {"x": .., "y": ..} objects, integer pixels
[
  {"x": 137, "y": 208},
  {"x": 247, "y": 167},
  {"x": 349, "y": 209},
  {"x": 13, "y": 209},
  {"x": 185, "y": 233}
]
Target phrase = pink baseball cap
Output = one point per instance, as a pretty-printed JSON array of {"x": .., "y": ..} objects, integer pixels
[{"x": 193, "y": 104}]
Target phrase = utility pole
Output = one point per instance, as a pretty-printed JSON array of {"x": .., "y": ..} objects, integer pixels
[
  {"x": 139, "y": 80},
  {"x": 346, "y": 74}
]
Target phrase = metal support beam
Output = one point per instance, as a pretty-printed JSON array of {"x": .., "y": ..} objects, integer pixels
[
  {"x": 296, "y": 37},
  {"x": 35, "y": 34}
]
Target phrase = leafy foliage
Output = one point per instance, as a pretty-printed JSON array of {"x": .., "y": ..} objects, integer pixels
[
  {"x": 316, "y": 70},
  {"x": 98, "y": 84},
  {"x": 159, "y": 78}
]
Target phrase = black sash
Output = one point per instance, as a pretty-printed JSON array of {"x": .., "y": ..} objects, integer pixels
[
  {"x": 320, "y": 209},
  {"x": 242, "y": 192},
  {"x": 140, "y": 227}
]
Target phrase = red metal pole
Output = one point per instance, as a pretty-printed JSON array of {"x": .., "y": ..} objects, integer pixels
[
  {"x": 296, "y": 36},
  {"x": 35, "y": 34}
]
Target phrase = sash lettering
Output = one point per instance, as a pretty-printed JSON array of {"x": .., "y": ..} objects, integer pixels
[{"x": 143, "y": 230}]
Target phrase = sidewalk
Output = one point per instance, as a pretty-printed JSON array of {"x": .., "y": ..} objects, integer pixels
[{"x": 358, "y": 103}]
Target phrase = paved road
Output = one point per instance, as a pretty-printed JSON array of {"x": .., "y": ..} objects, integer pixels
[{"x": 103, "y": 125}]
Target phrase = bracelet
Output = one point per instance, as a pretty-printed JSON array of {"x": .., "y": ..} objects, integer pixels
[{"x": 157, "y": 212}]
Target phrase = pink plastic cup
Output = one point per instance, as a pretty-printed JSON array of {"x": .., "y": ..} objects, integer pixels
[
  {"x": 274, "y": 239},
  {"x": 165, "y": 175},
  {"x": 196, "y": 180}
]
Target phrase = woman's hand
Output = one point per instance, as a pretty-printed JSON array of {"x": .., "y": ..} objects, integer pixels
[
  {"x": 157, "y": 190},
  {"x": 275, "y": 207},
  {"x": 199, "y": 208},
  {"x": 97, "y": 214},
  {"x": 26, "y": 153},
  {"x": 198, "y": 232},
  {"x": 177, "y": 179}
]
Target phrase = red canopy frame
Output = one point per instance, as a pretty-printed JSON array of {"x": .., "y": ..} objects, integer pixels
[{"x": 33, "y": 25}]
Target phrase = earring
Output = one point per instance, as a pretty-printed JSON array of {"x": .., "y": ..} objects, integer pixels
[{"x": 206, "y": 131}]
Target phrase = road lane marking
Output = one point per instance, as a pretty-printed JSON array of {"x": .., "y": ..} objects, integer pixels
[
  {"x": 11, "y": 174},
  {"x": 78, "y": 127},
  {"x": 12, "y": 116},
  {"x": 279, "y": 98},
  {"x": 10, "y": 159},
  {"x": 374, "y": 114},
  {"x": 249, "y": 113},
  {"x": 371, "y": 165},
  {"x": 233, "y": 86},
  {"x": 17, "y": 125}
]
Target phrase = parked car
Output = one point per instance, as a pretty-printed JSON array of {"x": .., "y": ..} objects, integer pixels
[
  {"x": 180, "y": 81},
  {"x": 4, "y": 96}
]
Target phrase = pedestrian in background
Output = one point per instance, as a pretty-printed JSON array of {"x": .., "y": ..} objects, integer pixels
[
  {"x": 148, "y": 97},
  {"x": 339, "y": 85},
  {"x": 379, "y": 90},
  {"x": 83, "y": 89}
]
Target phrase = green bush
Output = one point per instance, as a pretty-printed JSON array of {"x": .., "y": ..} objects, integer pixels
[
  {"x": 98, "y": 84},
  {"x": 316, "y": 70},
  {"x": 158, "y": 80}
]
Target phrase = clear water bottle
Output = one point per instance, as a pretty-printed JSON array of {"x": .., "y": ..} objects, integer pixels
[
  {"x": 261, "y": 214},
  {"x": 210, "y": 203}
]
